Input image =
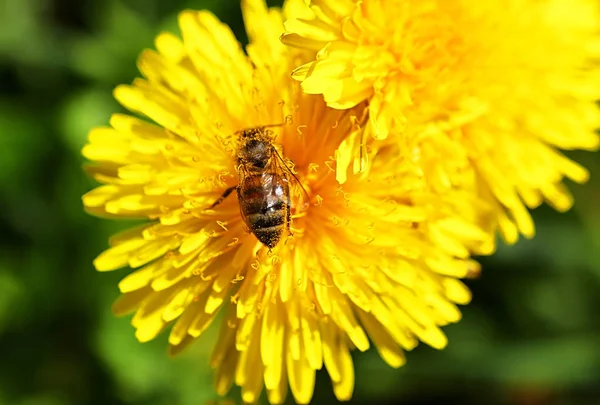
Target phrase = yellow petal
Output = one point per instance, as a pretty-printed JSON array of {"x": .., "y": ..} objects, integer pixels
[{"x": 118, "y": 256}]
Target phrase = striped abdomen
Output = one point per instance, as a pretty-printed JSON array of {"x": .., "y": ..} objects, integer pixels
[{"x": 264, "y": 204}]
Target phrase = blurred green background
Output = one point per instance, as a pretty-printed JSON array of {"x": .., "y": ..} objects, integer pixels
[{"x": 531, "y": 335}]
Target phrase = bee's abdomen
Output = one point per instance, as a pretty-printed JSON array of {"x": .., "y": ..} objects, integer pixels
[
  {"x": 265, "y": 207},
  {"x": 267, "y": 228},
  {"x": 266, "y": 220}
]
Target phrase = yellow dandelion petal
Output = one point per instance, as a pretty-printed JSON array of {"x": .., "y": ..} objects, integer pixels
[
  {"x": 479, "y": 84},
  {"x": 370, "y": 262}
]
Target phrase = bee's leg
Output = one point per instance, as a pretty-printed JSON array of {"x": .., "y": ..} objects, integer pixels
[{"x": 223, "y": 197}]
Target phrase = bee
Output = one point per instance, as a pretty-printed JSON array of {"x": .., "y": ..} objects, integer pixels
[{"x": 267, "y": 188}]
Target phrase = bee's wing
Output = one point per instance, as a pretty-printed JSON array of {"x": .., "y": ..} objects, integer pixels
[
  {"x": 243, "y": 175},
  {"x": 299, "y": 199}
]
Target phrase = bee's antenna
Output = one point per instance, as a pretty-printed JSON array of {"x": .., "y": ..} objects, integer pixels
[
  {"x": 261, "y": 127},
  {"x": 273, "y": 125}
]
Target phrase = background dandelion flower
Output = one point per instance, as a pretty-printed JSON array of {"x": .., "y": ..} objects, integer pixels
[
  {"x": 501, "y": 85},
  {"x": 378, "y": 258}
]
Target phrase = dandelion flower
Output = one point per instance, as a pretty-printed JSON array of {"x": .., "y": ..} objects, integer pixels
[
  {"x": 502, "y": 85},
  {"x": 375, "y": 261}
]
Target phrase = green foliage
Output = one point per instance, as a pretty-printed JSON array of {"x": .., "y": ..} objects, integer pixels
[{"x": 531, "y": 332}]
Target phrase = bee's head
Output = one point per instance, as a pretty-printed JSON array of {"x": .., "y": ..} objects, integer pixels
[
  {"x": 261, "y": 132},
  {"x": 250, "y": 133}
]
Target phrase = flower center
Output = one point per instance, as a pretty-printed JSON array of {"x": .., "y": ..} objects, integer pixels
[{"x": 406, "y": 38}]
